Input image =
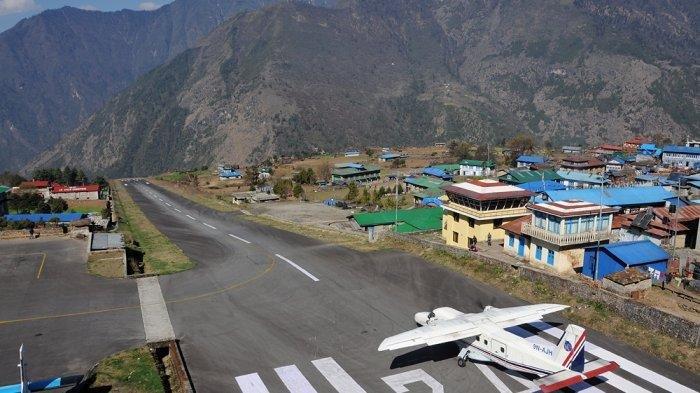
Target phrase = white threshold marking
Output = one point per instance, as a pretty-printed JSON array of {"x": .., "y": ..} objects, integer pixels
[
  {"x": 336, "y": 376},
  {"x": 239, "y": 238},
  {"x": 627, "y": 365},
  {"x": 210, "y": 226},
  {"x": 191, "y": 217},
  {"x": 251, "y": 383},
  {"x": 178, "y": 210},
  {"x": 301, "y": 269},
  {"x": 293, "y": 379},
  {"x": 495, "y": 381}
]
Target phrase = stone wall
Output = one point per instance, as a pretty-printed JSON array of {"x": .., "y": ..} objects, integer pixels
[{"x": 649, "y": 317}]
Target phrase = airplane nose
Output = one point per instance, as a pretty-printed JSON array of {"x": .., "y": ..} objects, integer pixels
[{"x": 421, "y": 318}]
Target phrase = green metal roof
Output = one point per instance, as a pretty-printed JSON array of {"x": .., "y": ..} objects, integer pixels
[
  {"x": 447, "y": 167},
  {"x": 481, "y": 163},
  {"x": 411, "y": 220},
  {"x": 425, "y": 182},
  {"x": 4, "y": 189},
  {"x": 526, "y": 176}
]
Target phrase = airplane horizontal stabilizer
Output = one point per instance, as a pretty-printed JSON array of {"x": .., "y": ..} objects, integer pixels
[{"x": 565, "y": 378}]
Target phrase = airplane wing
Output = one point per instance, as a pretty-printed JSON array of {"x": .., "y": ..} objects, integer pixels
[
  {"x": 468, "y": 325},
  {"x": 513, "y": 316},
  {"x": 438, "y": 333}
]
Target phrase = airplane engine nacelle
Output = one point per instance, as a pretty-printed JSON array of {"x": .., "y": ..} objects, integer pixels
[
  {"x": 421, "y": 318},
  {"x": 445, "y": 313}
]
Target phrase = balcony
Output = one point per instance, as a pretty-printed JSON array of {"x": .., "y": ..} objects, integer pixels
[
  {"x": 485, "y": 214},
  {"x": 568, "y": 239}
]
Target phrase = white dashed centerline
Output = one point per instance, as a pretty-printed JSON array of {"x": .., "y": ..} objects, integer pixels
[
  {"x": 301, "y": 269},
  {"x": 168, "y": 204},
  {"x": 239, "y": 238},
  {"x": 178, "y": 210},
  {"x": 210, "y": 226},
  {"x": 191, "y": 217}
]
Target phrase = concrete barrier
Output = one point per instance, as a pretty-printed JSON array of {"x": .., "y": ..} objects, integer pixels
[{"x": 637, "y": 312}]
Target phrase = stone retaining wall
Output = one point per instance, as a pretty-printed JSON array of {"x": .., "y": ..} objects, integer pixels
[{"x": 637, "y": 312}]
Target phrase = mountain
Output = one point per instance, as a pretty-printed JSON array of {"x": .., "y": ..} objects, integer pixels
[
  {"x": 60, "y": 66},
  {"x": 293, "y": 78}
]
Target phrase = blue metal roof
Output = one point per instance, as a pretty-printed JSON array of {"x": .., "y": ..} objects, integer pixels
[
  {"x": 651, "y": 178},
  {"x": 390, "y": 155},
  {"x": 229, "y": 173},
  {"x": 437, "y": 172},
  {"x": 581, "y": 177},
  {"x": 531, "y": 159},
  {"x": 681, "y": 149},
  {"x": 620, "y": 196},
  {"x": 636, "y": 253},
  {"x": 538, "y": 186},
  {"x": 62, "y": 217}
]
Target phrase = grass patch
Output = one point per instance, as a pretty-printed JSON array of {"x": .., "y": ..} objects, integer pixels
[
  {"x": 213, "y": 201},
  {"x": 91, "y": 206},
  {"x": 132, "y": 371},
  {"x": 106, "y": 264},
  {"x": 161, "y": 256}
]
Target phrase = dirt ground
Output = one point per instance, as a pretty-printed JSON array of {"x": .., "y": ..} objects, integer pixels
[
  {"x": 306, "y": 213},
  {"x": 106, "y": 264}
]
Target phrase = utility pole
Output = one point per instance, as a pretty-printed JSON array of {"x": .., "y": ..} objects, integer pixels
[
  {"x": 675, "y": 219},
  {"x": 396, "y": 202},
  {"x": 600, "y": 223}
]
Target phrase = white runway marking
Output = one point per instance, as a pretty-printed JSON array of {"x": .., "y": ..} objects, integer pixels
[
  {"x": 168, "y": 204},
  {"x": 627, "y": 365},
  {"x": 191, "y": 217},
  {"x": 178, "y": 210},
  {"x": 301, "y": 269},
  {"x": 239, "y": 238},
  {"x": 210, "y": 226},
  {"x": 495, "y": 381},
  {"x": 160, "y": 199},
  {"x": 398, "y": 382},
  {"x": 336, "y": 376},
  {"x": 251, "y": 383},
  {"x": 294, "y": 380}
]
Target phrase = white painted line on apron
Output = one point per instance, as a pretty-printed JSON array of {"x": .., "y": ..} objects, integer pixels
[
  {"x": 294, "y": 380},
  {"x": 251, "y": 383},
  {"x": 495, "y": 381},
  {"x": 336, "y": 376},
  {"x": 301, "y": 269}
]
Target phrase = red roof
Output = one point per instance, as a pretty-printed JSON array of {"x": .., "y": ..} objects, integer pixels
[
  {"x": 637, "y": 140},
  {"x": 498, "y": 190},
  {"x": 607, "y": 146},
  {"x": 516, "y": 226},
  {"x": 58, "y": 188},
  {"x": 35, "y": 184}
]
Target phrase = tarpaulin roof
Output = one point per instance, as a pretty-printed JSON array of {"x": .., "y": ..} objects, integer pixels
[
  {"x": 62, "y": 217},
  {"x": 637, "y": 252},
  {"x": 531, "y": 159}
]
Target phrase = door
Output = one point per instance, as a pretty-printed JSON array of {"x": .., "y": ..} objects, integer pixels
[
  {"x": 521, "y": 246},
  {"x": 550, "y": 257}
]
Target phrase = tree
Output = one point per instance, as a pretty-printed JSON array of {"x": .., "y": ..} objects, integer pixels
[
  {"x": 101, "y": 181},
  {"x": 43, "y": 207},
  {"x": 482, "y": 153},
  {"x": 11, "y": 179},
  {"x": 283, "y": 188},
  {"x": 365, "y": 198},
  {"x": 325, "y": 170},
  {"x": 369, "y": 151},
  {"x": 400, "y": 189},
  {"x": 250, "y": 177},
  {"x": 58, "y": 205},
  {"x": 522, "y": 143},
  {"x": 352, "y": 192},
  {"x": 305, "y": 176},
  {"x": 398, "y": 163},
  {"x": 459, "y": 149},
  {"x": 298, "y": 190}
]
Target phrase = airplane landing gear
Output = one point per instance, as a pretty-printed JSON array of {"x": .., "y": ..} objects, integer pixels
[{"x": 462, "y": 357}]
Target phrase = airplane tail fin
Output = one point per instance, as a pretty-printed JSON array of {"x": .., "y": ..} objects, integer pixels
[{"x": 569, "y": 352}]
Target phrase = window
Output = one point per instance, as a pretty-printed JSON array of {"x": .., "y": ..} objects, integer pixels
[
  {"x": 586, "y": 224},
  {"x": 503, "y": 350},
  {"x": 539, "y": 220},
  {"x": 511, "y": 240},
  {"x": 538, "y": 253},
  {"x": 455, "y": 216},
  {"x": 486, "y": 342},
  {"x": 572, "y": 225},
  {"x": 604, "y": 223},
  {"x": 497, "y": 222},
  {"x": 471, "y": 222},
  {"x": 455, "y": 237},
  {"x": 553, "y": 225}
]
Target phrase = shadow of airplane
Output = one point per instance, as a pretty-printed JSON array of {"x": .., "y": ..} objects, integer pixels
[{"x": 435, "y": 353}]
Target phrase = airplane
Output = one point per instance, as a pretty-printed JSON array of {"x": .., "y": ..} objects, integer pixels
[
  {"x": 25, "y": 386},
  {"x": 481, "y": 338}
]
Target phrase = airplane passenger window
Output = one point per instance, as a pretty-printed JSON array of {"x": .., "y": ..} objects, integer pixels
[
  {"x": 502, "y": 350},
  {"x": 486, "y": 342}
]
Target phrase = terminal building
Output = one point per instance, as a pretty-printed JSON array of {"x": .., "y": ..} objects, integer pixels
[{"x": 475, "y": 209}]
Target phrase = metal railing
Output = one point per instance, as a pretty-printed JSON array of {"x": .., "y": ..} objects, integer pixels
[{"x": 564, "y": 239}]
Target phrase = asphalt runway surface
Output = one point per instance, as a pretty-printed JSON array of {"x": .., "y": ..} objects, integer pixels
[
  {"x": 269, "y": 310},
  {"x": 66, "y": 318}
]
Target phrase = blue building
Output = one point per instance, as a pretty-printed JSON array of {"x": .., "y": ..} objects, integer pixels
[
  {"x": 542, "y": 186},
  {"x": 615, "y": 257},
  {"x": 229, "y": 174},
  {"x": 437, "y": 172},
  {"x": 526, "y": 161},
  {"x": 578, "y": 179},
  {"x": 625, "y": 198},
  {"x": 681, "y": 156},
  {"x": 388, "y": 156},
  {"x": 63, "y": 218}
]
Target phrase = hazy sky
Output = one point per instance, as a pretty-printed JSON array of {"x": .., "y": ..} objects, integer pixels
[{"x": 12, "y": 11}]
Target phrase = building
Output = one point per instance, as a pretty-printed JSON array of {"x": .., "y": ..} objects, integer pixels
[
  {"x": 611, "y": 258},
  {"x": 606, "y": 149},
  {"x": 476, "y": 168},
  {"x": 86, "y": 192},
  {"x": 352, "y": 153},
  {"x": 452, "y": 169},
  {"x": 438, "y": 173},
  {"x": 649, "y": 149},
  {"x": 665, "y": 226},
  {"x": 571, "y": 149},
  {"x": 520, "y": 176},
  {"x": 539, "y": 187},
  {"x": 557, "y": 233},
  {"x": 634, "y": 143},
  {"x": 42, "y": 187},
  {"x": 353, "y": 172},
  {"x": 475, "y": 209},
  {"x": 428, "y": 197},
  {"x": 627, "y": 199},
  {"x": 229, "y": 174},
  {"x": 525, "y": 161},
  {"x": 415, "y": 183},
  {"x": 406, "y": 221},
  {"x": 389, "y": 156},
  {"x": 614, "y": 164},
  {"x": 4, "y": 192},
  {"x": 577, "y": 179},
  {"x": 584, "y": 164},
  {"x": 681, "y": 156}
]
